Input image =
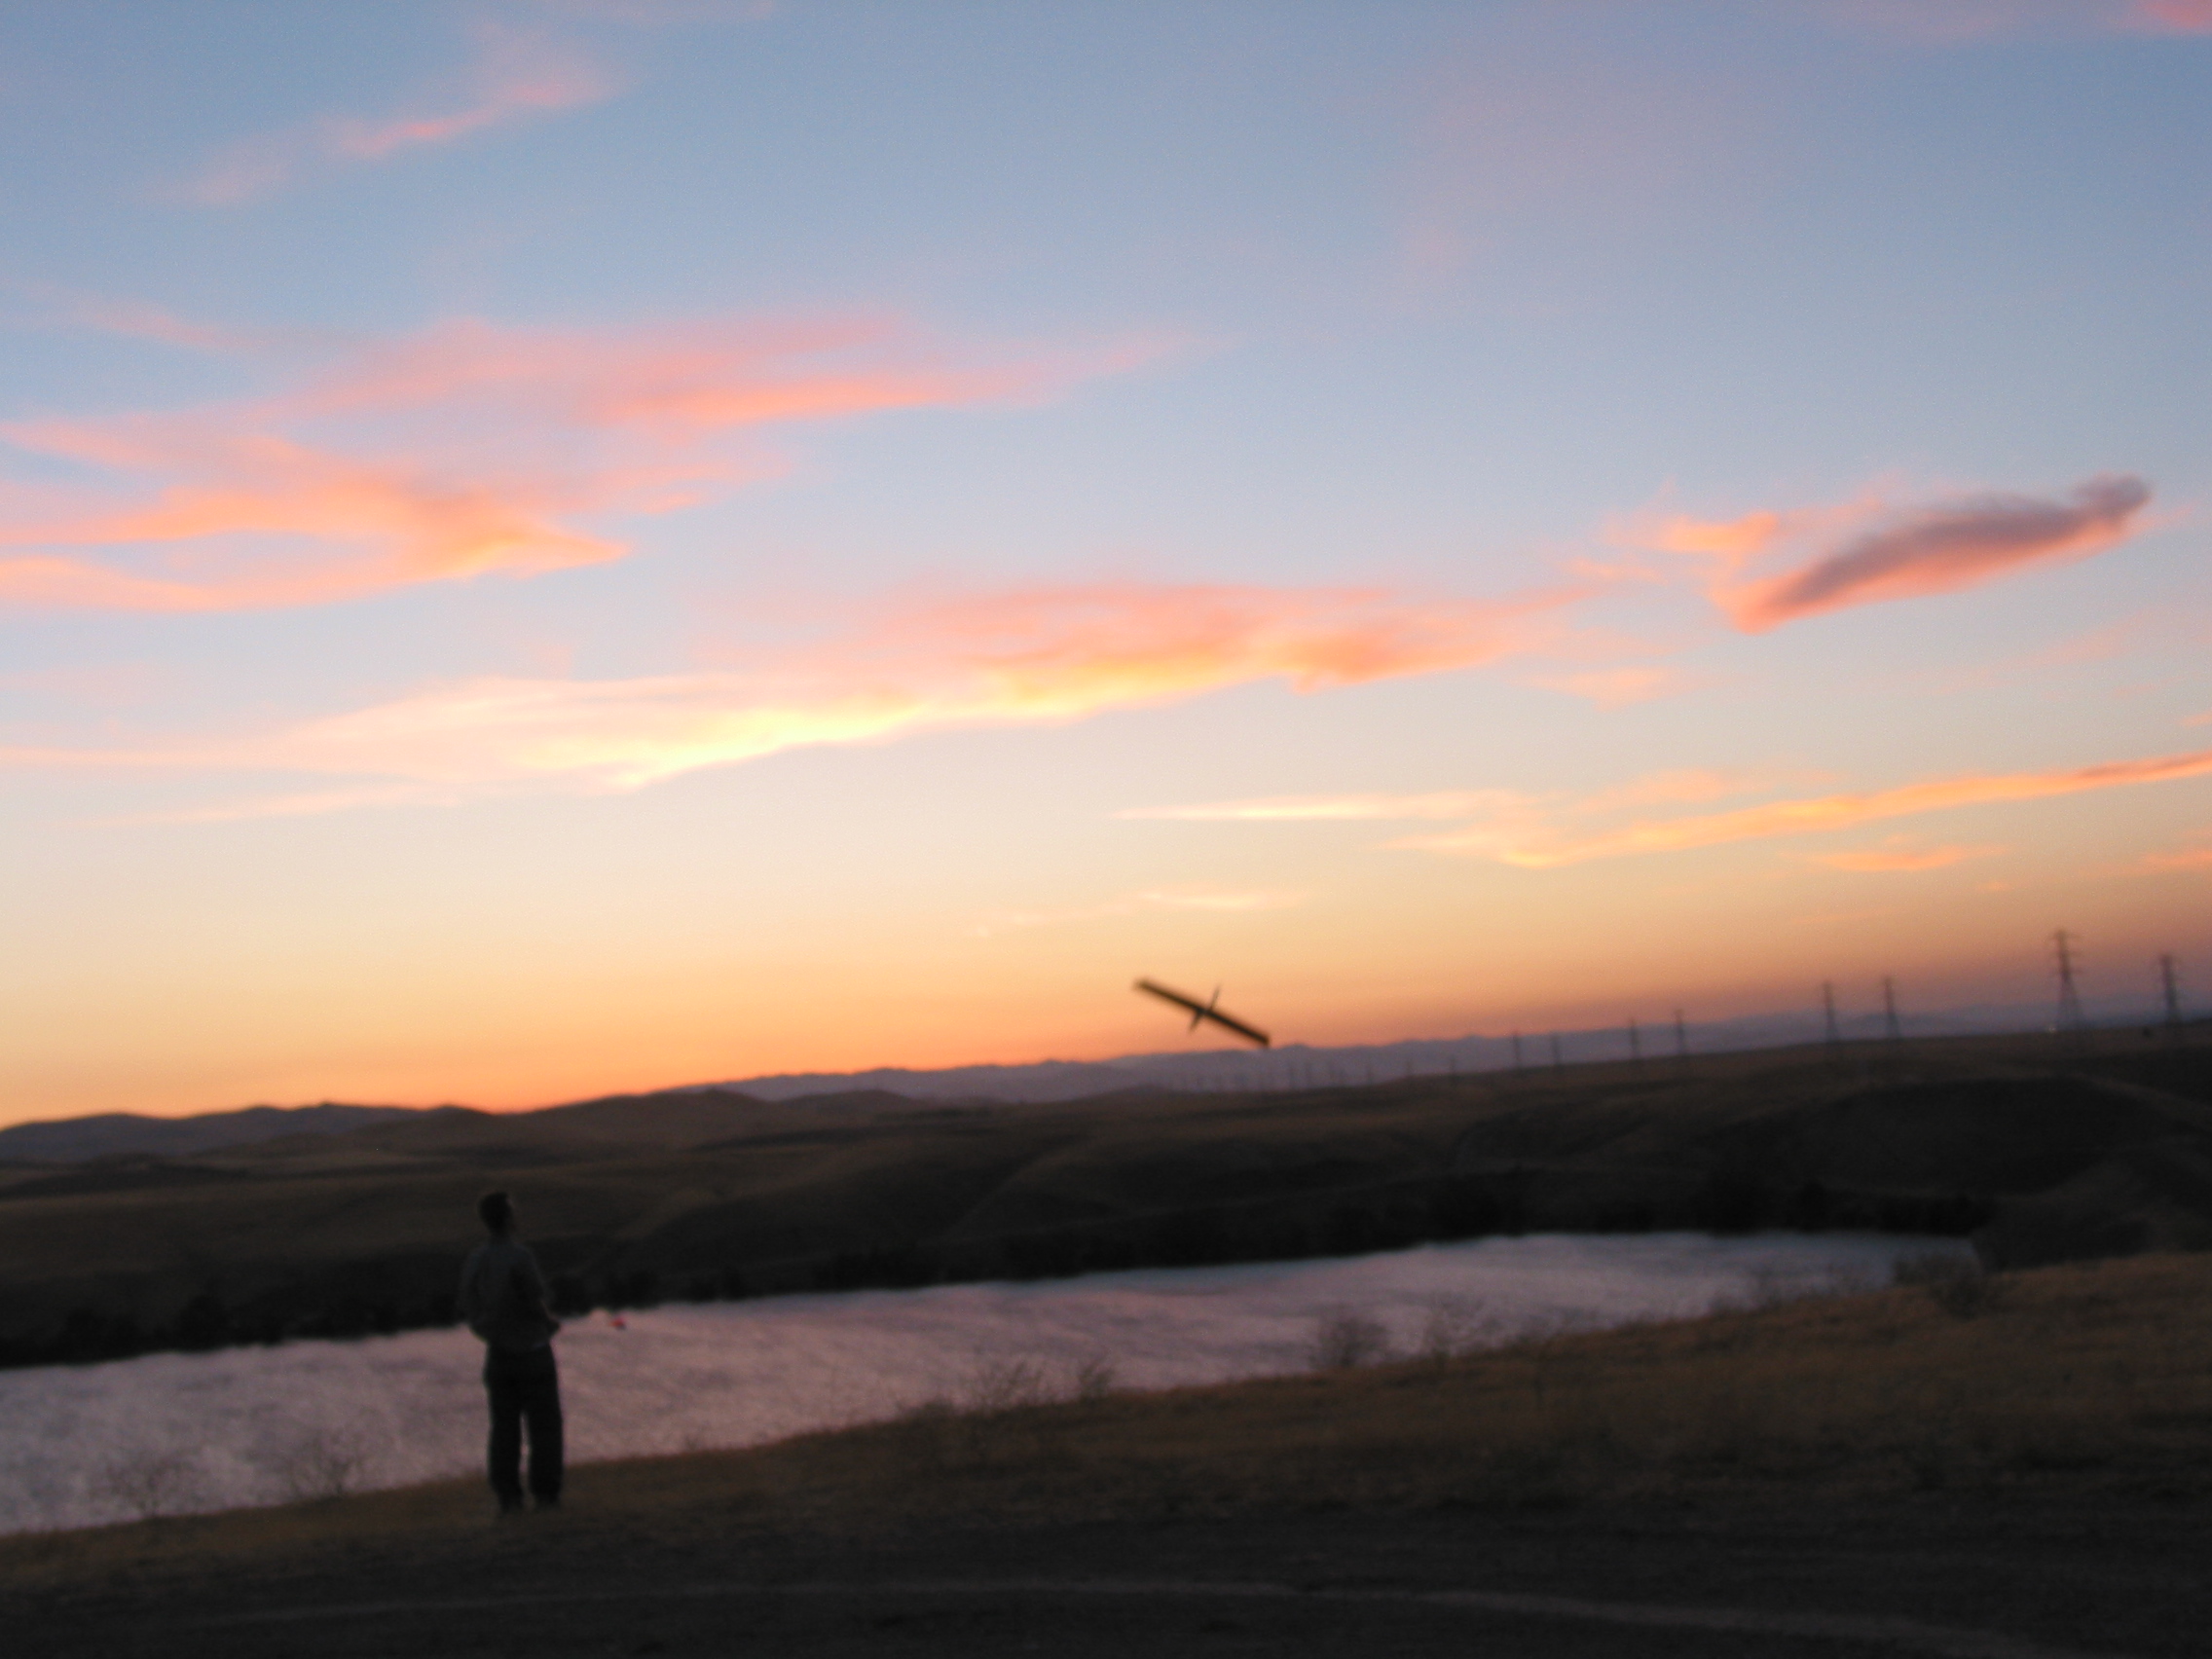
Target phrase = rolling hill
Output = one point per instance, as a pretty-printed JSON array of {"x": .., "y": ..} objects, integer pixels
[{"x": 2042, "y": 1152}]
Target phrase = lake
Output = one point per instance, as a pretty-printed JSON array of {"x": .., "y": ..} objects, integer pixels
[{"x": 174, "y": 1433}]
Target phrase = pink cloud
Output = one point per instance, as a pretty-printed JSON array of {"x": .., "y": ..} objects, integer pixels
[
  {"x": 2169, "y": 17},
  {"x": 516, "y": 75},
  {"x": 465, "y": 450},
  {"x": 1865, "y": 552},
  {"x": 1029, "y": 658},
  {"x": 1947, "y": 23}
]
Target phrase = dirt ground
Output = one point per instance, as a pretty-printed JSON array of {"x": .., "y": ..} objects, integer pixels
[{"x": 1980, "y": 1576}]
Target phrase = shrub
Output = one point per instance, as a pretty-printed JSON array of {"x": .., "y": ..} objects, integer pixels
[
  {"x": 998, "y": 1385},
  {"x": 1344, "y": 1340},
  {"x": 323, "y": 1464},
  {"x": 1091, "y": 1377},
  {"x": 1957, "y": 1284},
  {"x": 152, "y": 1483}
]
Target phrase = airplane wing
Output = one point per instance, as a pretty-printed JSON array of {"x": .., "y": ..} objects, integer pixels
[{"x": 1205, "y": 1011}]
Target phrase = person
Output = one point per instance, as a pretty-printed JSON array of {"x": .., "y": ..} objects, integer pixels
[{"x": 503, "y": 1296}]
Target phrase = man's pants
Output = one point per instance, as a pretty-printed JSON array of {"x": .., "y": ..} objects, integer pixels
[{"x": 523, "y": 1384}]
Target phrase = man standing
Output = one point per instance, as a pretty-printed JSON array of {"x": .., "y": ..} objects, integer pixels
[{"x": 503, "y": 1296}]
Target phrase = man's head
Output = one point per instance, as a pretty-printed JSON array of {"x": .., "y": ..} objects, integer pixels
[{"x": 498, "y": 1212}]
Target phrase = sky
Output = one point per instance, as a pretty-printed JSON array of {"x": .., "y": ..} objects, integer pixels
[{"x": 558, "y": 546}]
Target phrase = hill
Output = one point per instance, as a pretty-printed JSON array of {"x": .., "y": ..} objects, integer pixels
[
  {"x": 71, "y": 1140},
  {"x": 2041, "y": 1153}
]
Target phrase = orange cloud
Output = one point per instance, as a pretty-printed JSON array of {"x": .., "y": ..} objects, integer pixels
[
  {"x": 1893, "y": 861},
  {"x": 1546, "y": 849},
  {"x": 1017, "y": 659},
  {"x": 1886, "y": 554},
  {"x": 2187, "y": 858},
  {"x": 465, "y": 450},
  {"x": 516, "y": 75}
]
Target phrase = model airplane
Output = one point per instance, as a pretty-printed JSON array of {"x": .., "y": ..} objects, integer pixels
[{"x": 1205, "y": 1011}]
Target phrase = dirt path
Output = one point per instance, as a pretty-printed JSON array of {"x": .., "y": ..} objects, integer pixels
[
  {"x": 1895, "y": 1635},
  {"x": 1987, "y": 1579}
]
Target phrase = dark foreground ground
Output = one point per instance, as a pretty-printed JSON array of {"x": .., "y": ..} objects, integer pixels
[
  {"x": 2015, "y": 1466},
  {"x": 1982, "y": 1576}
]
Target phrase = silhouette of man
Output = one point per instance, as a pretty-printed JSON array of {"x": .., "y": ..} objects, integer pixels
[{"x": 503, "y": 1296}]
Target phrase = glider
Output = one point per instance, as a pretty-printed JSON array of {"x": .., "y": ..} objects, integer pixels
[{"x": 1205, "y": 1011}]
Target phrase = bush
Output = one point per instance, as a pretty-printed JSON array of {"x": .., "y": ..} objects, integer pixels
[
  {"x": 323, "y": 1464},
  {"x": 1346, "y": 1340},
  {"x": 1957, "y": 1284},
  {"x": 1091, "y": 1377},
  {"x": 153, "y": 1484}
]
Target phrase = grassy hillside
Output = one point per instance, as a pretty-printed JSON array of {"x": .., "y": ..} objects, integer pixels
[{"x": 2043, "y": 1152}]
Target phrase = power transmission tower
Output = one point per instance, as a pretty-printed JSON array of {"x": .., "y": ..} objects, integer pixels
[
  {"x": 1635, "y": 1044},
  {"x": 2069, "y": 998},
  {"x": 1681, "y": 1037},
  {"x": 1891, "y": 1028},
  {"x": 1517, "y": 1054},
  {"x": 1558, "y": 1065},
  {"x": 1827, "y": 1013},
  {"x": 2170, "y": 982}
]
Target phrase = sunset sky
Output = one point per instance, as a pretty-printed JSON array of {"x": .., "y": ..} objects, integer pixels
[{"x": 554, "y": 548}]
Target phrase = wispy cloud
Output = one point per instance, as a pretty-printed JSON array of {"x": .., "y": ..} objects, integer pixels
[
  {"x": 1690, "y": 784},
  {"x": 462, "y": 450},
  {"x": 1318, "y": 809},
  {"x": 1625, "y": 686},
  {"x": 1028, "y": 658},
  {"x": 1695, "y": 784},
  {"x": 517, "y": 74},
  {"x": 1540, "y": 832},
  {"x": 2197, "y": 856},
  {"x": 1895, "y": 860},
  {"x": 1867, "y": 551},
  {"x": 2168, "y": 16},
  {"x": 1553, "y": 846},
  {"x": 137, "y": 319},
  {"x": 1207, "y": 901},
  {"x": 1950, "y": 23}
]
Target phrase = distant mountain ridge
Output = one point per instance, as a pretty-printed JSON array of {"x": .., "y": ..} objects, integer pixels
[
  {"x": 73, "y": 1140},
  {"x": 1297, "y": 1065},
  {"x": 1292, "y": 1066}
]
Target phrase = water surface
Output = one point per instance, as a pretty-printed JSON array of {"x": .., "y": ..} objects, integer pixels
[{"x": 82, "y": 1445}]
